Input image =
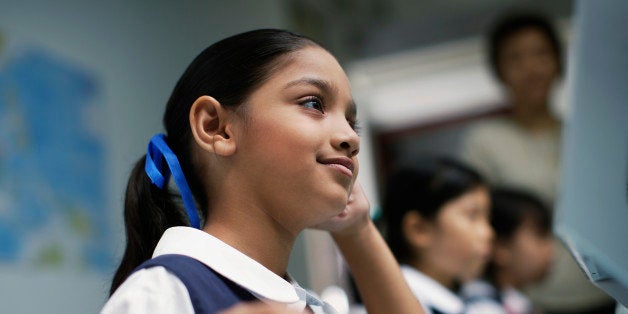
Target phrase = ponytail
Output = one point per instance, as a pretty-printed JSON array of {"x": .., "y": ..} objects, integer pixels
[
  {"x": 149, "y": 207},
  {"x": 148, "y": 212}
]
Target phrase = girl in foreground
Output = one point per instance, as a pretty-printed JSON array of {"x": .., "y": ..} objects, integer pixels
[{"x": 261, "y": 135}]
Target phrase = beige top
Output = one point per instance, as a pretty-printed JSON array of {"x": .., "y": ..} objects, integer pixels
[{"x": 507, "y": 154}]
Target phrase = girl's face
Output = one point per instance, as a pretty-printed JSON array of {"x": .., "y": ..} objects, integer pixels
[
  {"x": 528, "y": 256},
  {"x": 297, "y": 143},
  {"x": 460, "y": 238},
  {"x": 528, "y": 66}
]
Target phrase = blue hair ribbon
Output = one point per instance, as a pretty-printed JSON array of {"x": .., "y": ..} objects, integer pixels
[{"x": 158, "y": 151}]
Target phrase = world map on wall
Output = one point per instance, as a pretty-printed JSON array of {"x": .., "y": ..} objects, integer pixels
[{"x": 52, "y": 202}]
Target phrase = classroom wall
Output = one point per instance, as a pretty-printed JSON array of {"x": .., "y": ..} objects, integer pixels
[{"x": 133, "y": 52}]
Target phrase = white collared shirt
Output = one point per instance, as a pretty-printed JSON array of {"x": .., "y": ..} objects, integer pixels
[
  {"x": 483, "y": 298},
  {"x": 156, "y": 290},
  {"x": 430, "y": 293},
  {"x": 516, "y": 302}
]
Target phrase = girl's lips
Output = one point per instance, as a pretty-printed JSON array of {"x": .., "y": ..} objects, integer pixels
[
  {"x": 342, "y": 164},
  {"x": 344, "y": 170}
]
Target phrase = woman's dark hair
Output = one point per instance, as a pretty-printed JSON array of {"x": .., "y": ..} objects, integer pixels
[
  {"x": 512, "y": 207},
  {"x": 229, "y": 70},
  {"x": 424, "y": 189},
  {"x": 513, "y": 23}
]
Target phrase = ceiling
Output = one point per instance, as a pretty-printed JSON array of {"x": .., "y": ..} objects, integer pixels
[{"x": 354, "y": 29}]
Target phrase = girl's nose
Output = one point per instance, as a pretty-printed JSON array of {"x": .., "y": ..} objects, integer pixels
[{"x": 347, "y": 139}]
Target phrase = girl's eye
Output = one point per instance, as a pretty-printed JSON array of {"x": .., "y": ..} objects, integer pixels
[{"x": 312, "y": 103}]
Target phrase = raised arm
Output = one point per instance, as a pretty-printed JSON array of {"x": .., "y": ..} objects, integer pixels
[{"x": 373, "y": 266}]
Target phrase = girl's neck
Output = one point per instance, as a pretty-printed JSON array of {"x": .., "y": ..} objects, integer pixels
[
  {"x": 256, "y": 237},
  {"x": 444, "y": 279},
  {"x": 503, "y": 279}
]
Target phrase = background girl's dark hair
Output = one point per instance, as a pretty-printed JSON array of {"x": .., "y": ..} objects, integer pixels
[
  {"x": 424, "y": 189},
  {"x": 511, "y": 24},
  {"x": 229, "y": 70},
  {"x": 512, "y": 207}
]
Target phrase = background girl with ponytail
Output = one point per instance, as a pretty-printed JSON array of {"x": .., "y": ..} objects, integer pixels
[{"x": 260, "y": 140}]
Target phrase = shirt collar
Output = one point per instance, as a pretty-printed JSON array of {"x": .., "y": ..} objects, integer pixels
[
  {"x": 230, "y": 263},
  {"x": 430, "y": 292},
  {"x": 516, "y": 301}
]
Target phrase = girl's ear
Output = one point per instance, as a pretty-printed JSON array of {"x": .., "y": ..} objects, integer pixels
[
  {"x": 211, "y": 126},
  {"x": 417, "y": 230}
]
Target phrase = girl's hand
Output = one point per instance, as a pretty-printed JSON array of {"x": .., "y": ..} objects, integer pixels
[{"x": 353, "y": 217}]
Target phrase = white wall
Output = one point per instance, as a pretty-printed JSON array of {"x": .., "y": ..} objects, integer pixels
[{"x": 137, "y": 49}]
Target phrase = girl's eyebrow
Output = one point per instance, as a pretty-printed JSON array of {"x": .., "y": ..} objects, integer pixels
[{"x": 326, "y": 87}]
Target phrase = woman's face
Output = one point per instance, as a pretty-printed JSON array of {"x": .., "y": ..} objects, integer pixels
[
  {"x": 528, "y": 66},
  {"x": 461, "y": 238},
  {"x": 297, "y": 144}
]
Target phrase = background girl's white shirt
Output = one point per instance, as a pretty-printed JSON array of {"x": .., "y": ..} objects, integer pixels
[
  {"x": 481, "y": 297},
  {"x": 431, "y": 293}
]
